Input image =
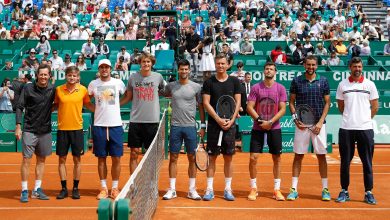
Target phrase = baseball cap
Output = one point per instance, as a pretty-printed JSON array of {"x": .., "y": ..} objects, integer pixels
[
  {"x": 123, "y": 48},
  {"x": 32, "y": 50},
  {"x": 105, "y": 61}
]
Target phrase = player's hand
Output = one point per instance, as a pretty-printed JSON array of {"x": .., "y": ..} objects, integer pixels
[
  {"x": 300, "y": 125},
  {"x": 229, "y": 125},
  {"x": 241, "y": 109},
  {"x": 317, "y": 128},
  {"x": 18, "y": 132},
  {"x": 265, "y": 125},
  {"x": 5, "y": 88},
  {"x": 222, "y": 122},
  {"x": 201, "y": 132}
]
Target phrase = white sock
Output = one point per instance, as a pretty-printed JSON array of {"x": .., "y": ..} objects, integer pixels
[
  {"x": 24, "y": 185},
  {"x": 277, "y": 184},
  {"x": 210, "y": 181},
  {"x": 253, "y": 183},
  {"x": 295, "y": 183},
  {"x": 172, "y": 183},
  {"x": 38, "y": 184},
  {"x": 324, "y": 183},
  {"x": 192, "y": 184},
  {"x": 228, "y": 183},
  {"x": 115, "y": 184},
  {"x": 103, "y": 183}
]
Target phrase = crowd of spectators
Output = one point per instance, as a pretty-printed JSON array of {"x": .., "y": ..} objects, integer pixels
[{"x": 228, "y": 23}]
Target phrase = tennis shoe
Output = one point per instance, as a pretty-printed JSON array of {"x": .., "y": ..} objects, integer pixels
[
  {"x": 325, "y": 195},
  {"x": 369, "y": 198},
  {"x": 193, "y": 194},
  {"x": 75, "y": 193},
  {"x": 343, "y": 196},
  {"x": 63, "y": 194},
  {"x": 293, "y": 195},
  {"x": 114, "y": 193},
  {"x": 278, "y": 196},
  {"x": 103, "y": 194},
  {"x": 228, "y": 195},
  {"x": 253, "y": 194},
  {"x": 171, "y": 194},
  {"x": 24, "y": 196},
  {"x": 39, "y": 194},
  {"x": 209, "y": 195}
]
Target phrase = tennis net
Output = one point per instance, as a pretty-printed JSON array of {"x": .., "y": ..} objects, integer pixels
[{"x": 141, "y": 190}]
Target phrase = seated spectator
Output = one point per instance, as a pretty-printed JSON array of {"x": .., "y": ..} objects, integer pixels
[
  {"x": 332, "y": 46},
  {"x": 80, "y": 63},
  {"x": 25, "y": 66},
  {"x": 215, "y": 13},
  {"x": 279, "y": 37},
  {"x": 163, "y": 45},
  {"x": 353, "y": 49},
  {"x": 355, "y": 34},
  {"x": 3, "y": 35},
  {"x": 365, "y": 48},
  {"x": 31, "y": 58},
  {"x": 341, "y": 49},
  {"x": 239, "y": 73},
  {"x": 74, "y": 33},
  {"x": 131, "y": 33},
  {"x": 340, "y": 33},
  {"x": 298, "y": 55},
  {"x": 89, "y": 50},
  {"x": 235, "y": 45},
  {"x": 43, "y": 45},
  {"x": 125, "y": 54},
  {"x": 57, "y": 62},
  {"x": 102, "y": 48},
  {"x": 35, "y": 65},
  {"x": 370, "y": 33},
  {"x": 247, "y": 47},
  {"x": 220, "y": 44},
  {"x": 142, "y": 32},
  {"x": 250, "y": 32},
  {"x": 8, "y": 66},
  {"x": 386, "y": 49},
  {"x": 96, "y": 35},
  {"x": 278, "y": 56},
  {"x": 333, "y": 60},
  {"x": 308, "y": 48},
  {"x": 293, "y": 46},
  {"x": 320, "y": 50},
  {"x": 84, "y": 32},
  {"x": 121, "y": 65},
  {"x": 68, "y": 62}
]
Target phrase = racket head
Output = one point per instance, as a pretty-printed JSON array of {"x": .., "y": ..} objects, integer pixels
[
  {"x": 226, "y": 105},
  {"x": 266, "y": 108},
  {"x": 305, "y": 114},
  {"x": 201, "y": 157},
  {"x": 8, "y": 122}
]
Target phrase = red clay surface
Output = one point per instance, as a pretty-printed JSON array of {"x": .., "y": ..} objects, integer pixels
[{"x": 307, "y": 206}]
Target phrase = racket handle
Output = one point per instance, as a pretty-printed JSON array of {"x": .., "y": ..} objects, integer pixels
[{"x": 220, "y": 138}]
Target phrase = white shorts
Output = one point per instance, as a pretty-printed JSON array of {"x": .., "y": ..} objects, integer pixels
[{"x": 302, "y": 141}]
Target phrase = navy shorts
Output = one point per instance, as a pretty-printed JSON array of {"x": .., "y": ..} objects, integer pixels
[
  {"x": 274, "y": 141},
  {"x": 228, "y": 140},
  {"x": 180, "y": 134},
  {"x": 107, "y": 141}
]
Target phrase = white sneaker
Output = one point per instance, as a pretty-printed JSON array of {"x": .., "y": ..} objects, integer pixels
[
  {"x": 171, "y": 194},
  {"x": 193, "y": 194}
]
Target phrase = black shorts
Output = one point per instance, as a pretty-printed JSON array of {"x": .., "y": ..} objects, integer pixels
[
  {"x": 274, "y": 141},
  {"x": 70, "y": 139},
  {"x": 228, "y": 140},
  {"x": 141, "y": 134}
]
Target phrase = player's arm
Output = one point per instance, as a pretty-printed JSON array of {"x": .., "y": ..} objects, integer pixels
[
  {"x": 298, "y": 123},
  {"x": 210, "y": 110},
  {"x": 88, "y": 104},
  {"x": 250, "y": 109},
  {"x": 127, "y": 97},
  {"x": 374, "y": 107},
  {"x": 202, "y": 120},
  {"x": 281, "y": 112},
  {"x": 340, "y": 105},
  {"x": 325, "y": 111}
]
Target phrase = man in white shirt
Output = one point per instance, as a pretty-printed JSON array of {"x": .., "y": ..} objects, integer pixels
[
  {"x": 107, "y": 126},
  {"x": 340, "y": 19},
  {"x": 163, "y": 45},
  {"x": 355, "y": 34},
  {"x": 89, "y": 50},
  {"x": 85, "y": 34},
  {"x": 279, "y": 37},
  {"x": 74, "y": 34},
  {"x": 57, "y": 62},
  {"x": 299, "y": 26},
  {"x": 124, "y": 54},
  {"x": 357, "y": 99}
]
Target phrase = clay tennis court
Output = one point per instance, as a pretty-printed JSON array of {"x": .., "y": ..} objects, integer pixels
[{"x": 307, "y": 206}]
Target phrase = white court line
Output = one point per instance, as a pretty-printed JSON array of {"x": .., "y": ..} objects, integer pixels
[
  {"x": 52, "y": 207},
  {"x": 184, "y": 164},
  {"x": 278, "y": 208}
]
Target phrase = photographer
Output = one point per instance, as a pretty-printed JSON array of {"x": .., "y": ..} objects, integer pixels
[{"x": 6, "y": 96}]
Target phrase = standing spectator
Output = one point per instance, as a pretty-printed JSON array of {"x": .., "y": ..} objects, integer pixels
[
  {"x": 200, "y": 28},
  {"x": 102, "y": 48},
  {"x": 6, "y": 96},
  {"x": 192, "y": 40},
  {"x": 207, "y": 64},
  {"x": 89, "y": 50},
  {"x": 357, "y": 99},
  {"x": 57, "y": 62},
  {"x": 43, "y": 45},
  {"x": 170, "y": 31}
]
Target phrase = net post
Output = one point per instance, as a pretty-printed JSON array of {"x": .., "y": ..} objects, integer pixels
[
  {"x": 122, "y": 209},
  {"x": 104, "y": 209}
]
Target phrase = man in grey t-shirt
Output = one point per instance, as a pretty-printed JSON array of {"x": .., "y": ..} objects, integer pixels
[
  {"x": 185, "y": 96},
  {"x": 143, "y": 90}
]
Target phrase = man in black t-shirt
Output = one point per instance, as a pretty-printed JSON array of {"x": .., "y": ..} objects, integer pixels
[
  {"x": 213, "y": 88},
  {"x": 192, "y": 40}
]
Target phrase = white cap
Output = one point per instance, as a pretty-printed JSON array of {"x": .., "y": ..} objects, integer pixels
[
  {"x": 105, "y": 61},
  {"x": 32, "y": 50},
  {"x": 366, "y": 24}
]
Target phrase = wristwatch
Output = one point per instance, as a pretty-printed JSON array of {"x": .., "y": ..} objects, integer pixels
[
  {"x": 271, "y": 122},
  {"x": 259, "y": 120},
  {"x": 202, "y": 125}
]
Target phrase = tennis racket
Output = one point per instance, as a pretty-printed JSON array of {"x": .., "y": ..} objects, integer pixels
[
  {"x": 8, "y": 122},
  {"x": 226, "y": 105},
  {"x": 305, "y": 114},
  {"x": 266, "y": 108},
  {"x": 201, "y": 157}
]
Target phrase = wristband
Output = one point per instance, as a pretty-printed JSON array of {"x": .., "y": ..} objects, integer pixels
[
  {"x": 294, "y": 116},
  {"x": 202, "y": 125},
  {"x": 271, "y": 122}
]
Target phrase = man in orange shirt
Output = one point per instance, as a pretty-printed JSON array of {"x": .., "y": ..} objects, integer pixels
[{"x": 70, "y": 99}]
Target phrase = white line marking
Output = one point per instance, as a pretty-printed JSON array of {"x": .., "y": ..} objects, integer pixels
[
  {"x": 246, "y": 172},
  {"x": 40, "y": 208},
  {"x": 279, "y": 208},
  {"x": 184, "y": 164}
]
